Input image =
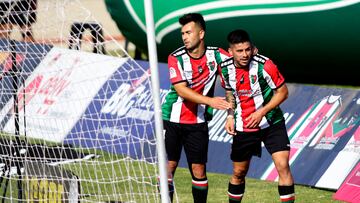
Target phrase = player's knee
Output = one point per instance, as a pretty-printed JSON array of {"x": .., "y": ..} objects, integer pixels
[
  {"x": 172, "y": 165},
  {"x": 198, "y": 171},
  {"x": 239, "y": 173},
  {"x": 283, "y": 167}
]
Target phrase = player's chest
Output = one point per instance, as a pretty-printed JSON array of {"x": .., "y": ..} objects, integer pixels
[
  {"x": 245, "y": 82},
  {"x": 195, "y": 69}
]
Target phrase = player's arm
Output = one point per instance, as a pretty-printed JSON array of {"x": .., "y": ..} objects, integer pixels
[
  {"x": 190, "y": 95},
  {"x": 230, "y": 121},
  {"x": 280, "y": 95}
]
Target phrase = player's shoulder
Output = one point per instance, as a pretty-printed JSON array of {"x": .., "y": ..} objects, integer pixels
[
  {"x": 227, "y": 62},
  {"x": 260, "y": 58},
  {"x": 220, "y": 51},
  {"x": 178, "y": 52}
]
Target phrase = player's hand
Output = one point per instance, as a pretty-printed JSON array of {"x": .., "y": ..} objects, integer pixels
[
  {"x": 230, "y": 126},
  {"x": 254, "y": 119},
  {"x": 219, "y": 103}
]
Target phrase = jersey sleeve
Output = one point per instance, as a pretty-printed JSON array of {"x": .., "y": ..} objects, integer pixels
[
  {"x": 223, "y": 55},
  {"x": 224, "y": 77},
  {"x": 272, "y": 75},
  {"x": 176, "y": 73}
]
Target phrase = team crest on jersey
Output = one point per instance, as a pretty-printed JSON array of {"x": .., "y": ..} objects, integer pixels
[
  {"x": 200, "y": 69},
  {"x": 211, "y": 65},
  {"x": 253, "y": 79},
  {"x": 172, "y": 72}
]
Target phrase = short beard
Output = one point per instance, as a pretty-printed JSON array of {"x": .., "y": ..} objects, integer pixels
[{"x": 191, "y": 49}]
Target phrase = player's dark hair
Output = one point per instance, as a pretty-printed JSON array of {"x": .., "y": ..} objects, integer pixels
[
  {"x": 238, "y": 36},
  {"x": 193, "y": 17}
]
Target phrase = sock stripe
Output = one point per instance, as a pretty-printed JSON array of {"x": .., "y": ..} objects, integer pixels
[
  {"x": 288, "y": 201},
  {"x": 287, "y": 198},
  {"x": 201, "y": 185},
  {"x": 235, "y": 196}
]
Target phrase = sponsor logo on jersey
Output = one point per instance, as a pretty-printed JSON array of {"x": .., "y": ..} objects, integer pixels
[
  {"x": 172, "y": 72},
  {"x": 249, "y": 93},
  {"x": 188, "y": 74}
]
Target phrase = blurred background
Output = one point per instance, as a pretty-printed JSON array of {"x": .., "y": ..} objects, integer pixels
[{"x": 313, "y": 42}]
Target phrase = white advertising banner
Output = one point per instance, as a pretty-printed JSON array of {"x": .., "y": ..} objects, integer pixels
[{"x": 58, "y": 92}]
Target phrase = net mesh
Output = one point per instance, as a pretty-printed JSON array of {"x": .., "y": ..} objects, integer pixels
[{"x": 76, "y": 111}]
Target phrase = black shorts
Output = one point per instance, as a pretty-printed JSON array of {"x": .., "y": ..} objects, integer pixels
[
  {"x": 19, "y": 13},
  {"x": 194, "y": 138},
  {"x": 248, "y": 144}
]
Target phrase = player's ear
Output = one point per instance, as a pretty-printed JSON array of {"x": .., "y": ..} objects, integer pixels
[
  {"x": 230, "y": 51},
  {"x": 202, "y": 34},
  {"x": 255, "y": 50}
]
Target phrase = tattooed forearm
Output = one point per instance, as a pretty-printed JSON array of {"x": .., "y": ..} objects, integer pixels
[{"x": 231, "y": 99}]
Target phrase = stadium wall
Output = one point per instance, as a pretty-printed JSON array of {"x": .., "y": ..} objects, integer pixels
[{"x": 323, "y": 123}]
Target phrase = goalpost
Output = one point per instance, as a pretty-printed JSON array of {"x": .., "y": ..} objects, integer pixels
[{"x": 78, "y": 116}]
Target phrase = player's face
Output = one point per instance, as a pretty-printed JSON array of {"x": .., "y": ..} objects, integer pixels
[
  {"x": 242, "y": 53},
  {"x": 192, "y": 35}
]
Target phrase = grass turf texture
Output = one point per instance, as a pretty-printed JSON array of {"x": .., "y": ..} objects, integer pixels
[{"x": 255, "y": 191}]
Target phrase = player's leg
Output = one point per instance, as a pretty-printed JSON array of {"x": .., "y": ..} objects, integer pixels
[
  {"x": 286, "y": 182},
  {"x": 199, "y": 182},
  {"x": 277, "y": 143},
  {"x": 196, "y": 144},
  {"x": 236, "y": 187},
  {"x": 245, "y": 145},
  {"x": 173, "y": 146}
]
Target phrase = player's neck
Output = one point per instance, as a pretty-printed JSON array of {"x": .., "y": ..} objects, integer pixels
[
  {"x": 198, "y": 51},
  {"x": 242, "y": 67}
]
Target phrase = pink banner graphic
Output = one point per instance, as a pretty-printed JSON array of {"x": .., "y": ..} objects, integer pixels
[
  {"x": 350, "y": 190},
  {"x": 347, "y": 159},
  {"x": 313, "y": 122}
]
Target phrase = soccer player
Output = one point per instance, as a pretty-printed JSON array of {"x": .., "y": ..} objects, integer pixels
[
  {"x": 255, "y": 88},
  {"x": 189, "y": 105}
]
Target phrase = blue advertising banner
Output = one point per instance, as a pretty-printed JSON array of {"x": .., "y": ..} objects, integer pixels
[
  {"x": 320, "y": 123},
  {"x": 323, "y": 123},
  {"x": 120, "y": 117}
]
